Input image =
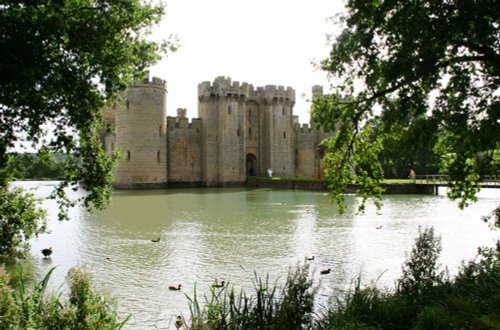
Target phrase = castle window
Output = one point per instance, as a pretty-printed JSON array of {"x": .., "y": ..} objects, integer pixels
[
  {"x": 128, "y": 154},
  {"x": 128, "y": 104},
  {"x": 284, "y": 135},
  {"x": 229, "y": 110},
  {"x": 250, "y": 132},
  {"x": 238, "y": 132},
  {"x": 159, "y": 130},
  {"x": 158, "y": 156}
]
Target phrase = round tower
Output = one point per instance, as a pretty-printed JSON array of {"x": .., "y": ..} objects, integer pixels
[{"x": 141, "y": 127}]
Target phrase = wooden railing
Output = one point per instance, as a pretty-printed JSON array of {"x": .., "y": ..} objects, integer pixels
[{"x": 440, "y": 179}]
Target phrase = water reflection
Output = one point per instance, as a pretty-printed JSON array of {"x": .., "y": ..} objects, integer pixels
[{"x": 227, "y": 234}]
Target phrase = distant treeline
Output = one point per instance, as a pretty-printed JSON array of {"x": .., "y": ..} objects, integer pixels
[{"x": 30, "y": 166}]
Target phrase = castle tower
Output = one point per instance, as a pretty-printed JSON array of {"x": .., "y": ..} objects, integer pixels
[
  {"x": 221, "y": 109},
  {"x": 277, "y": 127},
  {"x": 141, "y": 136}
]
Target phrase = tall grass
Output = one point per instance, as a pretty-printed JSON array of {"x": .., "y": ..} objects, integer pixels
[
  {"x": 270, "y": 307},
  {"x": 24, "y": 308}
]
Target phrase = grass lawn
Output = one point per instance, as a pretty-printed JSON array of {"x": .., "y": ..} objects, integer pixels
[{"x": 389, "y": 181}]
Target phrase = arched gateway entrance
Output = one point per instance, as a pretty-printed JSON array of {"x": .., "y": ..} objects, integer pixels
[{"x": 251, "y": 162}]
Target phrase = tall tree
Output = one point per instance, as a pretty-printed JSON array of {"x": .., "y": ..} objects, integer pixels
[
  {"x": 402, "y": 62},
  {"x": 60, "y": 61}
]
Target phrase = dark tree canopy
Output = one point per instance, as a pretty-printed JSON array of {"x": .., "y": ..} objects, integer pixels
[
  {"x": 60, "y": 62},
  {"x": 413, "y": 69}
]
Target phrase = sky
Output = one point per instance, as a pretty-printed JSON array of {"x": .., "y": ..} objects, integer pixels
[{"x": 262, "y": 42}]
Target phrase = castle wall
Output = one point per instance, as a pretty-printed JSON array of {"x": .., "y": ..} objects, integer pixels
[
  {"x": 184, "y": 150},
  {"x": 222, "y": 111},
  {"x": 140, "y": 136},
  {"x": 307, "y": 160},
  {"x": 279, "y": 104},
  {"x": 241, "y": 131},
  {"x": 253, "y": 137}
]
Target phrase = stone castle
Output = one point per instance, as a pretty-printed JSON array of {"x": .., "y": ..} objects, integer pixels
[{"x": 241, "y": 132}]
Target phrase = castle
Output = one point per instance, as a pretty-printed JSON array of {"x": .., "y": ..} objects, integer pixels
[{"x": 241, "y": 131}]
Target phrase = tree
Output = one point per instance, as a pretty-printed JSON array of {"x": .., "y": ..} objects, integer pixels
[
  {"x": 60, "y": 61},
  {"x": 411, "y": 65}
]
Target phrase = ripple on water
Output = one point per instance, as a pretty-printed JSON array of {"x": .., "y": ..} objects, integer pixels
[{"x": 228, "y": 234}]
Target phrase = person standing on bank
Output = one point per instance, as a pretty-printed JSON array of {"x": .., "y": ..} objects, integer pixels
[{"x": 412, "y": 175}]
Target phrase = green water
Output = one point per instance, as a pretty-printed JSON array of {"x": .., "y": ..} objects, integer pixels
[{"x": 227, "y": 234}]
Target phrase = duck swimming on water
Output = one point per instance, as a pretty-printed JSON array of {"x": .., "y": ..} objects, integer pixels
[
  {"x": 221, "y": 285},
  {"x": 155, "y": 240},
  {"x": 326, "y": 271},
  {"x": 47, "y": 252},
  {"x": 175, "y": 288}
]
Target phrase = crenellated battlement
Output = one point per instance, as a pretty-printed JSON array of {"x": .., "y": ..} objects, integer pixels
[
  {"x": 317, "y": 91},
  {"x": 153, "y": 82},
  {"x": 224, "y": 87},
  {"x": 183, "y": 123},
  {"x": 302, "y": 128},
  {"x": 243, "y": 131}
]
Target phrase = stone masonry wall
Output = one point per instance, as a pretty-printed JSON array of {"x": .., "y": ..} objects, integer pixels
[
  {"x": 184, "y": 150},
  {"x": 141, "y": 136},
  {"x": 306, "y": 162},
  {"x": 238, "y": 125}
]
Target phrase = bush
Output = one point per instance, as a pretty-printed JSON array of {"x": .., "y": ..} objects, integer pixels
[
  {"x": 20, "y": 219},
  {"x": 424, "y": 298},
  {"x": 34, "y": 309}
]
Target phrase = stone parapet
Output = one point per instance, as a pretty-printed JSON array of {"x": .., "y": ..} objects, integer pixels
[
  {"x": 181, "y": 122},
  {"x": 224, "y": 87}
]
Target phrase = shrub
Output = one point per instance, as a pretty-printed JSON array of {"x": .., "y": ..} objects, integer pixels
[{"x": 35, "y": 309}]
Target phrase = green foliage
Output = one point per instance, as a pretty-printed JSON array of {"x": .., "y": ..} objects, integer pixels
[
  {"x": 408, "y": 146},
  {"x": 60, "y": 63},
  {"x": 35, "y": 309},
  {"x": 20, "y": 219},
  {"x": 420, "y": 271},
  {"x": 428, "y": 73},
  {"x": 270, "y": 308},
  {"x": 31, "y": 166},
  {"x": 424, "y": 298}
]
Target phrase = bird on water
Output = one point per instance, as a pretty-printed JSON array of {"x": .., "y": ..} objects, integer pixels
[
  {"x": 179, "y": 322},
  {"x": 156, "y": 240},
  {"x": 326, "y": 271},
  {"x": 175, "y": 288},
  {"x": 310, "y": 258},
  {"x": 47, "y": 252},
  {"x": 221, "y": 285}
]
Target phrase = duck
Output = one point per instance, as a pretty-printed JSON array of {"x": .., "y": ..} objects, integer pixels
[
  {"x": 221, "y": 285},
  {"x": 310, "y": 258},
  {"x": 325, "y": 271},
  {"x": 47, "y": 252},
  {"x": 379, "y": 227},
  {"x": 179, "y": 322},
  {"x": 155, "y": 240},
  {"x": 175, "y": 288}
]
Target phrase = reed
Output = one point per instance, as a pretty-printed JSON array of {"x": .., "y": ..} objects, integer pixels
[{"x": 269, "y": 307}]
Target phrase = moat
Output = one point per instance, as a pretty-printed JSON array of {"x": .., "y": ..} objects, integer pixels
[{"x": 228, "y": 233}]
